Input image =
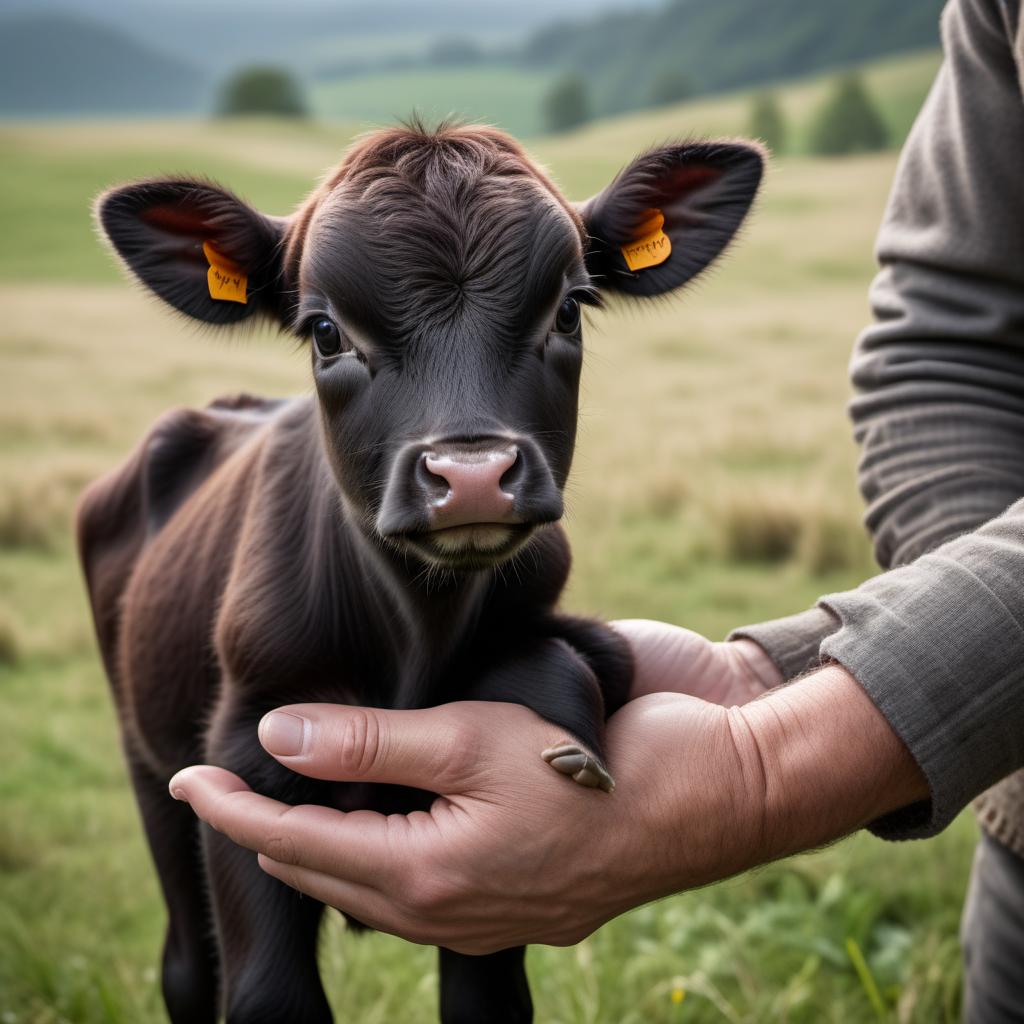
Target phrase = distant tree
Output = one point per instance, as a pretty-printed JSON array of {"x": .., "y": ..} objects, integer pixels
[
  {"x": 454, "y": 51},
  {"x": 848, "y": 121},
  {"x": 262, "y": 90},
  {"x": 670, "y": 87},
  {"x": 545, "y": 46},
  {"x": 567, "y": 104},
  {"x": 767, "y": 122}
]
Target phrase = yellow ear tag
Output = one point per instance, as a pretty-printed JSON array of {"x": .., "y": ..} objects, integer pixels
[
  {"x": 226, "y": 280},
  {"x": 652, "y": 245}
]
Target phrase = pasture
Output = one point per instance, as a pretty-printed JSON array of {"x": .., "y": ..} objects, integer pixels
[
  {"x": 713, "y": 487},
  {"x": 509, "y": 96},
  {"x": 512, "y": 97}
]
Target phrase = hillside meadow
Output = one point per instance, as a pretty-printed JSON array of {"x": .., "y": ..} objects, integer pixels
[
  {"x": 513, "y": 97},
  {"x": 510, "y": 96},
  {"x": 713, "y": 486}
]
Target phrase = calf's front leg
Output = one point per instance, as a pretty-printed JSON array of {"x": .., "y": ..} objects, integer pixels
[
  {"x": 575, "y": 677},
  {"x": 573, "y": 685},
  {"x": 489, "y": 989},
  {"x": 267, "y": 932}
]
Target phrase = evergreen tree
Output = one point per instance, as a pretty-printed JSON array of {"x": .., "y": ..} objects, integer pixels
[
  {"x": 848, "y": 121},
  {"x": 670, "y": 87},
  {"x": 566, "y": 105},
  {"x": 262, "y": 90},
  {"x": 767, "y": 123}
]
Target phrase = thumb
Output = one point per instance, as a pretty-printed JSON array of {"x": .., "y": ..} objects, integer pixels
[{"x": 430, "y": 748}]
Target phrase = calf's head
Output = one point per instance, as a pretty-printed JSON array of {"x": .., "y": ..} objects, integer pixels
[{"x": 438, "y": 277}]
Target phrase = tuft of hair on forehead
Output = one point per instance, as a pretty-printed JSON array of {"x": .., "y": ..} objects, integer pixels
[
  {"x": 419, "y": 154},
  {"x": 452, "y": 204}
]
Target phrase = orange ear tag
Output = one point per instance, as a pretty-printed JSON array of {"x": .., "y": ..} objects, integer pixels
[
  {"x": 226, "y": 280},
  {"x": 652, "y": 246}
]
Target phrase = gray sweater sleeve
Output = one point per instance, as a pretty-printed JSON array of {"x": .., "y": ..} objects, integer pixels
[{"x": 938, "y": 643}]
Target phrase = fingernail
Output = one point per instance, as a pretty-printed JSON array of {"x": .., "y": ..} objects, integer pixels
[
  {"x": 283, "y": 734},
  {"x": 179, "y": 794}
]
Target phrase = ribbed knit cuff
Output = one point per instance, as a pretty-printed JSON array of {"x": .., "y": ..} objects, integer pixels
[
  {"x": 793, "y": 642},
  {"x": 941, "y": 654}
]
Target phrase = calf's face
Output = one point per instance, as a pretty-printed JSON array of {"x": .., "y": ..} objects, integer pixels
[{"x": 439, "y": 278}]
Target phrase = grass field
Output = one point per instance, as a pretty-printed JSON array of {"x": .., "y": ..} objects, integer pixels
[
  {"x": 713, "y": 487},
  {"x": 507, "y": 96}
]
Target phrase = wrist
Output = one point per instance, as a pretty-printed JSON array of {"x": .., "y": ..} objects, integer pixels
[
  {"x": 826, "y": 761},
  {"x": 695, "y": 809}
]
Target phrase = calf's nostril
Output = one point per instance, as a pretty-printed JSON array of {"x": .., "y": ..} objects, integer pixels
[
  {"x": 512, "y": 477},
  {"x": 434, "y": 483}
]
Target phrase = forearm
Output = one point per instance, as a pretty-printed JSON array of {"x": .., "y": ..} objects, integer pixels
[
  {"x": 829, "y": 761},
  {"x": 803, "y": 765},
  {"x": 938, "y": 648}
]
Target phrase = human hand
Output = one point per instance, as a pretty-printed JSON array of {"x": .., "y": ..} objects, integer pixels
[
  {"x": 676, "y": 660},
  {"x": 512, "y": 852}
]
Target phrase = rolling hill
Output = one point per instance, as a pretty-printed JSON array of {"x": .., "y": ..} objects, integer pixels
[
  {"x": 59, "y": 63},
  {"x": 725, "y": 44}
]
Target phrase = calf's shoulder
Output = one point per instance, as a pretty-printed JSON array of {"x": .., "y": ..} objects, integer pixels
[{"x": 122, "y": 511}]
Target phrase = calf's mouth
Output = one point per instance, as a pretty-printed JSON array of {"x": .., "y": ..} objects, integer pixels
[{"x": 470, "y": 545}]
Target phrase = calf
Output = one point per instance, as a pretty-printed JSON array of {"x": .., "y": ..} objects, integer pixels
[{"x": 389, "y": 540}]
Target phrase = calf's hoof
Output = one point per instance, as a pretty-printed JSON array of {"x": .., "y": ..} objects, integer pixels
[{"x": 572, "y": 760}]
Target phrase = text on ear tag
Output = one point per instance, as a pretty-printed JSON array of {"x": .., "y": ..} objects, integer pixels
[
  {"x": 652, "y": 245},
  {"x": 226, "y": 280}
]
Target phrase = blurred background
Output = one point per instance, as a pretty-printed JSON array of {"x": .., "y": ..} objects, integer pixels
[{"x": 713, "y": 484}]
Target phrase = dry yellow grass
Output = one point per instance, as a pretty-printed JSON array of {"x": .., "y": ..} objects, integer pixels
[
  {"x": 10, "y": 644},
  {"x": 298, "y": 147}
]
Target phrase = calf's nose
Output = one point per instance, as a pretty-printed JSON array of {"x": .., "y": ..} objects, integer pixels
[{"x": 467, "y": 484}]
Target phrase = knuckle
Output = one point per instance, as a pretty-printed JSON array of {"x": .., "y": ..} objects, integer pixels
[
  {"x": 280, "y": 843},
  {"x": 281, "y": 847},
  {"x": 361, "y": 742},
  {"x": 459, "y": 749}
]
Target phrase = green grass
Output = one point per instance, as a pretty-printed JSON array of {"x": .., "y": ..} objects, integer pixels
[
  {"x": 712, "y": 427},
  {"x": 51, "y": 174},
  {"x": 506, "y": 96}
]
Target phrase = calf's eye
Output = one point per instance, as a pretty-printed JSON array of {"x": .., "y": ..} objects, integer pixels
[
  {"x": 567, "y": 319},
  {"x": 326, "y": 337}
]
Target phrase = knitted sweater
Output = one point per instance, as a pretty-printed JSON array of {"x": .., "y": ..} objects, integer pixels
[{"x": 938, "y": 641}]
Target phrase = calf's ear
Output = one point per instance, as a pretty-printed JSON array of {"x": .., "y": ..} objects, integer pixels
[
  {"x": 198, "y": 246},
  {"x": 669, "y": 214}
]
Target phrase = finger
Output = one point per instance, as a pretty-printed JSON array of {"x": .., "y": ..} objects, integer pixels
[
  {"x": 358, "y": 846},
  {"x": 380, "y": 912},
  {"x": 363, "y": 902},
  {"x": 432, "y": 748}
]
